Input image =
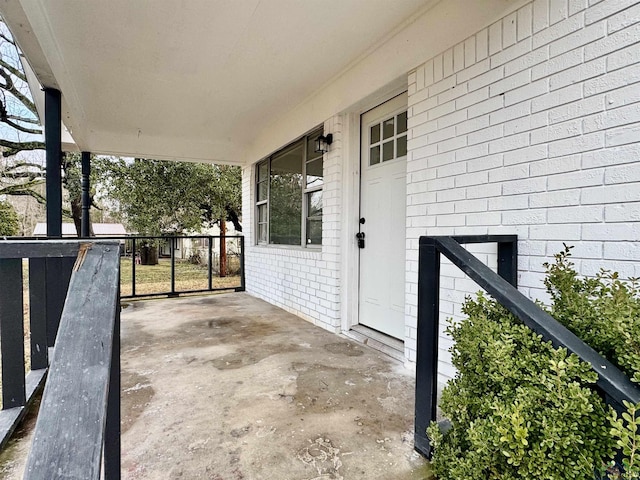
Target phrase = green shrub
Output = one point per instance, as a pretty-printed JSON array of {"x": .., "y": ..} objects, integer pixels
[
  {"x": 521, "y": 409},
  {"x": 9, "y": 224}
]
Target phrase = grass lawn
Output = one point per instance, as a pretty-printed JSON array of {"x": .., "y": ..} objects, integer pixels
[{"x": 157, "y": 278}]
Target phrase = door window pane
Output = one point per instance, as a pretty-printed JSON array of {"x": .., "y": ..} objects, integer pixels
[
  {"x": 402, "y": 122},
  {"x": 375, "y": 134},
  {"x": 387, "y": 151},
  {"x": 387, "y": 128},
  {"x": 263, "y": 171},
  {"x": 285, "y": 206},
  {"x": 262, "y": 191},
  {"x": 401, "y": 146},
  {"x": 374, "y": 155},
  {"x": 314, "y": 232}
]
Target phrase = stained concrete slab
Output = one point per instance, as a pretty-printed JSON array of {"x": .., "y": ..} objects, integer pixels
[{"x": 229, "y": 387}]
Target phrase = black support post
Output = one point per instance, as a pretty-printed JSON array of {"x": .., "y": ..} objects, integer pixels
[
  {"x": 12, "y": 333},
  {"x": 242, "y": 276},
  {"x": 172, "y": 251},
  {"x": 508, "y": 261},
  {"x": 112, "y": 447},
  {"x": 210, "y": 261},
  {"x": 53, "y": 145},
  {"x": 427, "y": 343},
  {"x": 38, "y": 313},
  {"x": 86, "y": 198}
]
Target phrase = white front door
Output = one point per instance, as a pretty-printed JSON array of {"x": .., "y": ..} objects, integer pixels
[{"x": 383, "y": 196}]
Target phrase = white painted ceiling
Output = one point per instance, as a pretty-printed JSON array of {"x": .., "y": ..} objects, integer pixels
[{"x": 193, "y": 79}]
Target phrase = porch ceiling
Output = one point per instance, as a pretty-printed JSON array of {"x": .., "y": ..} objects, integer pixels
[{"x": 196, "y": 80}]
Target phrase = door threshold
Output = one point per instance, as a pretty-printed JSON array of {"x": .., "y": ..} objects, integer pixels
[{"x": 379, "y": 341}]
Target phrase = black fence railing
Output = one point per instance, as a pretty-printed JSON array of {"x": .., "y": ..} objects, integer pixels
[
  {"x": 78, "y": 424},
  {"x": 175, "y": 265},
  {"x": 612, "y": 383}
]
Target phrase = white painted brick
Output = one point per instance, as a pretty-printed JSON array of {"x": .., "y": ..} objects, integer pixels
[
  {"x": 513, "y": 172},
  {"x": 540, "y": 15},
  {"x": 487, "y": 106},
  {"x": 526, "y": 217},
  {"x": 594, "y": 68},
  {"x": 509, "y": 143},
  {"x": 495, "y": 37},
  {"x": 485, "y": 79},
  {"x": 452, "y": 144},
  {"x": 452, "y": 169},
  {"x": 534, "y": 89},
  {"x": 568, "y": 232},
  {"x": 482, "y": 66},
  {"x": 613, "y": 80},
  {"x": 613, "y": 42},
  {"x": 458, "y": 57},
  {"x": 612, "y": 118},
  {"x": 518, "y": 110},
  {"x": 623, "y": 174},
  {"x": 610, "y": 194},
  {"x": 622, "y": 58},
  {"x": 482, "y": 44},
  {"x": 469, "y": 52},
  {"x": 611, "y": 231},
  {"x": 471, "y": 125},
  {"x": 622, "y": 251},
  {"x": 468, "y": 179},
  {"x": 525, "y": 21},
  {"x": 484, "y": 162},
  {"x": 526, "y": 124},
  {"x": 557, "y": 64},
  {"x": 624, "y": 19},
  {"x": 450, "y": 195},
  {"x": 486, "y": 218},
  {"x": 584, "y": 143},
  {"x": 555, "y": 166},
  {"x": 419, "y": 78},
  {"x": 578, "y": 179},
  {"x": 622, "y": 135},
  {"x": 442, "y": 85},
  {"x": 472, "y": 98},
  {"x": 447, "y": 63},
  {"x": 527, "y": 154},
  {"x": 484, "y": 135},
  {"x": 605, "y": 9},
  {"x": 509, "y": 83},
  {"x": 558, "y": 11},
  {"x": 576, "y": 6},
  {"x": 554, "y": 199},
  {"x": 528, "y": 60},
  {"x": 611, "y": 156},
  {"x": 428, "y": 73},
  {"x": 559, "y": 30},
  {"x": 511, "y": 202},
  {"x": 529, "y": 185},
  {"x": 437, "y": 68},
  {"x": 580, "y": 108},
  {"x": 473, "y": 151},
  {"x": 452, "y": 93},
  {"x": 442, "y": 110},
  {"x": 467, "y": 206},
  {"x": 509, "y": 30},
  {"x": 572, "y": 128},
  {"x": 586, "y": 214}
]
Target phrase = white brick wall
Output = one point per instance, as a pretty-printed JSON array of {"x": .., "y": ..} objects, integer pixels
[
  {"x": 303, "y": 281},
  {"x": 531, "y": 126}
]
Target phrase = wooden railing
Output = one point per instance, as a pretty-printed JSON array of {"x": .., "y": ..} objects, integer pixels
[
  {"x": 614, "y": 385},
  {"x": 78, "y": 424}
]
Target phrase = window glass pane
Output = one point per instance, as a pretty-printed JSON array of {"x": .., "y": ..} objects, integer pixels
[
  {"x": 314, "y": 232},
  {"x": 285, "y": 202},
  {"x": 387, "y": 151},
  {"x": 311, "y": 145},
  {"x": 314, "y": 204},
  {"x": 402, "y": 122},
  {"x": 374, "y": 155},
  {"x": 387, "y": 128},
  {"x": 375, "y": 134},
  {"x": 262, "y": 191},
  {"x": 263, "y": 171},
  {"x": 262, "y": 213},
  {"x": 401, "y": 145},
  {"x": 262, "y": 233},
  {"x": 314, "y": 173}
]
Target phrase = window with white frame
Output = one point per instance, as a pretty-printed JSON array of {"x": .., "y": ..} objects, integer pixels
[{"x": 289, "y": 195}]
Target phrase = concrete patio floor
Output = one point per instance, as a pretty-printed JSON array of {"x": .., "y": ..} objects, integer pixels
[{"x": 228, "y": 387}]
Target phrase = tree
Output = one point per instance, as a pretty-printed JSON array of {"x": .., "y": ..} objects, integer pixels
[
  {"x": 156, "y": 197},
  {"x": 9, "y": 225}
]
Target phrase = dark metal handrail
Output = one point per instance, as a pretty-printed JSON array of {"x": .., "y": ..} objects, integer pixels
[
  {"x": 78, "y": 424},
  {"x": 614, "y": 384}
]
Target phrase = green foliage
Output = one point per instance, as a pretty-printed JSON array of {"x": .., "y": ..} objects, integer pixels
[
  {"x": 9, "y": 224},
  {"x": 519, "y": 407},
  {"x": 158, "y": 197},
  {"x": 625, "y": 431},
  {"x": 603, "y": 311}
]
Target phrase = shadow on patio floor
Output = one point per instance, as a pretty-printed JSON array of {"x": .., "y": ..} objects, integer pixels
[{"x": 228, "y": 387}]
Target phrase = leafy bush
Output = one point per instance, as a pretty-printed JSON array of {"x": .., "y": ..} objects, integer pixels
[
  {"x": 520, "y": 409},
  {"x": 9, "y": 223}
]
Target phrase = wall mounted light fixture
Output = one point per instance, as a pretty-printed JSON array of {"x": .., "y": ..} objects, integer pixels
[{"x": 323, "y": 142}]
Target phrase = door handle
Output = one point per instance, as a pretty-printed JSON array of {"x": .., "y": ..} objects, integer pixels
[{"x": 360, "y": 237}]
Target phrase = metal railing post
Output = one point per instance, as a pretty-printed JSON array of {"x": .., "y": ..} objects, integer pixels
[
  {"x": 508, "y": 261},
  {"x": 427, "y": 343},
  {"x": 133, "y": 267},
  {"x": 242, "y": 276},
  {"x": 210, "y": 273},
  {"x": 172, "y": 251},
  {"x": 38, "y": 313}
]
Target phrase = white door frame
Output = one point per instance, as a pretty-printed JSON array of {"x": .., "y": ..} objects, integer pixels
[{"x": 350, "y": 270}]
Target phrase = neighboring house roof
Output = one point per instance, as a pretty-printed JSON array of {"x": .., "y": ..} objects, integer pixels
[{"x": 69, "y": 230}]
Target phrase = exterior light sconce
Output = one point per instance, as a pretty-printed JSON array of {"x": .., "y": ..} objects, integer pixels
[{"x": 323, "y": 142}]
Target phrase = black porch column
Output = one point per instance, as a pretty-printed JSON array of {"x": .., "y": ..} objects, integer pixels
[
  {"x": 86, "y": 199},
  {"x": 53, "y": 145}
]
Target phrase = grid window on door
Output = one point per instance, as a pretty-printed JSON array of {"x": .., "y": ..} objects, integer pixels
[{"x": 388, "y": 139}]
